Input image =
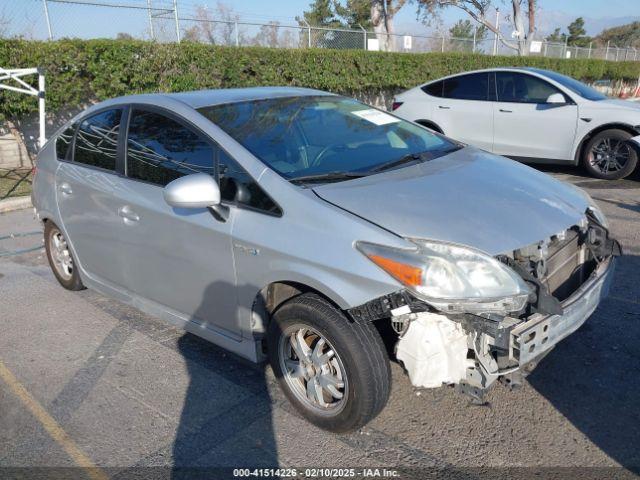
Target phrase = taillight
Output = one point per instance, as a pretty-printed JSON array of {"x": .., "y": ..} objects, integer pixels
[{"x": 396, "y": 105}]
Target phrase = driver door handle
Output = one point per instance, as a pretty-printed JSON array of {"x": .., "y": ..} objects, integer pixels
[
  {"x": 443, "y": 107},
  {"x": 128, "y": 215},
  {"x": 506, "y": 111}
]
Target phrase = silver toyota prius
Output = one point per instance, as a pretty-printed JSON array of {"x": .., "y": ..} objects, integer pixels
[{"x": 324, "y": 235}]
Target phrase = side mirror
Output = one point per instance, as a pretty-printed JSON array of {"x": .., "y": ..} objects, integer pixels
[
  {"x": 556, "y": 99},
  {"x": 198, "y": 190}
]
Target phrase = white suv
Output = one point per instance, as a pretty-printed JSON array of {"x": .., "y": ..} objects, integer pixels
[{"x": 531, "y": 115}]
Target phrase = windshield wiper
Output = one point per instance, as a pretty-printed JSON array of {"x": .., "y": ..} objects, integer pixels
[
  {"x": 327, "y": 177},
  {"x": 415, "y": 157},
  {"x": 409, "y": 158}
]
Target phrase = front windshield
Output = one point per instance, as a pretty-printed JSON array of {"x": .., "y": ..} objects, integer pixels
[
  {"x": 585, "y": 91},
  {"x": 324, "y": 135}
]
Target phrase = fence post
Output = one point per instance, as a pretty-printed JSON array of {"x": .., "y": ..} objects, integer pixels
[
  {"x": 46, "y": 16},
  {"x": 309, "y": 32},
  {"x": 564, "y": 49},
  {"x": 364, "y": 35},
  {"x": 41, "y": 111},
  {"x": 475, "y": 31},
  {"x": 237, "y": 33},
  {"x": 442, "y": 46},
  {"x": 544, "y": 48},
  {"x": 589, "y": 54},
  {"x": 151, "y": 32},
  {"x": 606, "y": 52},
  {"x": 495, "y": 36},
  {"x": 175, "y": 16}
]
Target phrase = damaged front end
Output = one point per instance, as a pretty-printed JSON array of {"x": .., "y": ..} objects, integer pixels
[{"x": 474, "y": 344}]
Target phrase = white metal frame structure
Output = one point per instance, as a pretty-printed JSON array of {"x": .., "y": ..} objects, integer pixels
[{"x": 16, "y": 74}]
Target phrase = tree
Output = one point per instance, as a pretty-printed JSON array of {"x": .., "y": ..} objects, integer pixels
[
  {"x": 356, "y": 13},
  {"x": 214, "y": 26},
  {"x": 462, "y": 34},
  {"x": 124, "y": 36},
  {"x": 382, "y": 13},
  {"x": 478, "y": 11},
  {"x": 556, "y": 36},
  {"x": 577, "y": 34},
  {"x": 334, "y": 14},
  {"x": 623, "y": 36},
  {"x": 321, "y": 13}
]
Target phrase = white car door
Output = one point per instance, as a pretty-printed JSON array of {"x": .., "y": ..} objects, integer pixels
[
  {"x": 463, "y": 109},
  {"x": 525, "y": 125}
]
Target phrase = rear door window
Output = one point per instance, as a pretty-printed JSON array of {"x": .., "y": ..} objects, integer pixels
[
  {"x": 96, "y": 142},
  {"x": 160, "y": 149},
  {"x": 467, "y": 87}
]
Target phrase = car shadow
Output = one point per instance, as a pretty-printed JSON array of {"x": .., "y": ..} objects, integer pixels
[
  {"x": 226, "y": 419},
  {"x": 578, "y": 171},
  {"x": 592, "y": 378}
]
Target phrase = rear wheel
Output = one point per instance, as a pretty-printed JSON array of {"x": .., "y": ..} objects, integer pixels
[
  {"x": 334, "y": 371},
  {"x": 608, "y": 156},
  {"x": 60, "y": 257}
]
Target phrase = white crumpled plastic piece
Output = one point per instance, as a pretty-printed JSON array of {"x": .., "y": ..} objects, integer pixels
[{"x": 433, "y": 351}]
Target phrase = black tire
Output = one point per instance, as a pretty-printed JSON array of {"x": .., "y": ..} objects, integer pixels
[
  {"x": 358, "y": 347},
  {"x": 602, "y": 169},
  {"x": 71, "y": 279}
]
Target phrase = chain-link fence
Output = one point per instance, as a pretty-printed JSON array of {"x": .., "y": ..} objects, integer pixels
[{"x": 183, "y": 20}]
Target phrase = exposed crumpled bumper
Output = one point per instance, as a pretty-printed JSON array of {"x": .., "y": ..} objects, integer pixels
[
  {"x": 434, "y": 349},
  {"x": 540, "y": 333}
]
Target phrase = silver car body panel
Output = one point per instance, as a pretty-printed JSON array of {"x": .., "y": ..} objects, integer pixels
[
  {"x": 213, "y": 272},
  {"x": 469, "y": 197}
]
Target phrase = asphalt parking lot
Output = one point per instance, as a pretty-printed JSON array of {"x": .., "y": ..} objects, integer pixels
[{"x": 86, "y": 381}]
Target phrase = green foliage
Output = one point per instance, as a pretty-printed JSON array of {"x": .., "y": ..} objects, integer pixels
[
  {"x": 465, "y": 29},
  {"x": 338, "y": 14},
  {"x": 556, "y": 36},
  {"x": 622, "y": 36},
  {"x": 577, "y": 34},
  {"x": 82, "y": 70}
]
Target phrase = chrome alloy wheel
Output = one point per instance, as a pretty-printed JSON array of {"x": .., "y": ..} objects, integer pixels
[
  {"x": 313, "y": 370},
  {"x": 62, "y": 261},
  {"x": 609, "y": 155}
]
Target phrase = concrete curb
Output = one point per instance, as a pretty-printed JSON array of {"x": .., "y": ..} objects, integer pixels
[{"x": 17, "y": 203}]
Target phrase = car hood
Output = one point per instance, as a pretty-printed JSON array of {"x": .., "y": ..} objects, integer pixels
[{"x": 469, "y": 197}]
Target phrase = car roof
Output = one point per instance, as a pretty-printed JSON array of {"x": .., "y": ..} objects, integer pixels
[
  {"x": 205, "y": 98},
  {"x": 534, "y": 70}
]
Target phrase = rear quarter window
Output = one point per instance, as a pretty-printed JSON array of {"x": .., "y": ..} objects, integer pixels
[
  {"x": 64, "y": 141},
  {"x": 434, "y": 89}
]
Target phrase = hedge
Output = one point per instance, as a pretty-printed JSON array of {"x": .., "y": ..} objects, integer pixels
[{"x": 82, "y": 70}]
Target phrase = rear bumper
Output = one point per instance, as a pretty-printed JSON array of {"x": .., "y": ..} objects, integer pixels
[{"x": 535, "y": 337}]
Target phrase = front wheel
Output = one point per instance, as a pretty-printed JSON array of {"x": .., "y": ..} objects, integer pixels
[
  {"x": 608, "y": 155},
  {"x": 333, "y": 370}
]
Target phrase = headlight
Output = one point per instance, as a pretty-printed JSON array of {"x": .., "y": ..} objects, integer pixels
[{"x": 452, "y": 278}]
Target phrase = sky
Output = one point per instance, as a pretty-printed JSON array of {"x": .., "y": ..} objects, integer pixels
[{"x": 27, "y": 17}]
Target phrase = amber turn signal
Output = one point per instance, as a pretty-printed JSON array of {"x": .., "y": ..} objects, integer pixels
[{"x": 406, "y": 274}]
